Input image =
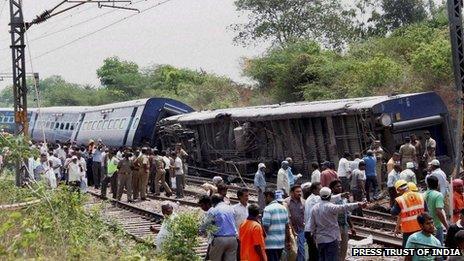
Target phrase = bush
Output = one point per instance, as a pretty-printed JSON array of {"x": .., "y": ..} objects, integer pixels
[{"x": 182, "y": 238}]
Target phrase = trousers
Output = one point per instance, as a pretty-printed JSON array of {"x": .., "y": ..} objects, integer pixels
[
  {"x": 371, "y": 181},
  {"x": 179, "y": 187},
  {"x": 143, "y": 183},
  {"x": 345, "y": 184},
  {"x": 97, "y": 173},
  {"x": 223, "y": 249},
  {"x": 343, "y": 243},
  {"x": 312, "y": 247},
  {"x": 135, "y": 184},
  {"x": 160, "y": 177},
  {"x": 261, "y": 202},
  {"x": 328, "y": 251},
  {"x": 167, "y": 177},
  {"x": 125, "y": 182},
  {"x": 274, "y": 254},
  {"x": 300, "y": 239},
  {"x": 113, "y": 181}
]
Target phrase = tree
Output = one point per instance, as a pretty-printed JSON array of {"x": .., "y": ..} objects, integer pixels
[
  {"x": 286, "y": 21},
  {"x": 399, "y": 13}
]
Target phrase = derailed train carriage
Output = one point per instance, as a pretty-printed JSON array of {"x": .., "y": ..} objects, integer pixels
[{"x": 237, "y": 139}]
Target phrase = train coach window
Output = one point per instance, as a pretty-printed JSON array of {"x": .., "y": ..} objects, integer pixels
[
  {"x": 57, "y": 125},
  {"x": 71, "y": 127},
  {"x": 62, "y": 126},
  {"x": 47, "y": 124},
  {"x": 66, "y": 126},
  {"x": 106, "y": 124},
  {"x": 1, "y": 119},
  {"x": 11, "y": 119},
  {"x": 111, "y": 124},
  {"x": 122, "y": 124},
  {"x": 94, "y": 125},
  {"x": 136, "y": 122},
  {"x": 116, "y": 123},
  {"x": 84, "y": 126},
  {"x": 100, "y": 125}
]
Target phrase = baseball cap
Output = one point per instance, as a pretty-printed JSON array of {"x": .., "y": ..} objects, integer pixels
[
  {"x": 435, "y": 162},
  {"x": 261, "y": 165},
  {"x": 74, "y": 157},
  {"x": 325, "y": 192}
]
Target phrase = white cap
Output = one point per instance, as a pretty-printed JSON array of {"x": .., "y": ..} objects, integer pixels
[
  {"x": 261, "y": 165},
  {"x": 217, "y": 179},
  {"x": 325, "y": 192},
  {"x": 410, "y": 165},
  {"x": 305, "y": 185},
  {"x": 74, "y": 157},
  {"x": 435, "y": 162}
]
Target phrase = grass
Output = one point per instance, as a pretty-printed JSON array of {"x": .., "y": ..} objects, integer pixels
[{"x": 60, "y": 228}]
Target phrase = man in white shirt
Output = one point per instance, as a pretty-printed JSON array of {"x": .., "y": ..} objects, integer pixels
[
  {"x": 310, "y": 202},
  {"x": 179, "y": 173},
  {"x": 393, "y": 177},
  {"x": 316, "y": 174},
  {"x": 241, "y": 208},
  {"x": 408, "y": 174},
  {"x": 74, "y": 173},
  {"x": 167, "y": 211},
  {"x": 56, "y": 164},
  {"x": 344, "y": 171}
]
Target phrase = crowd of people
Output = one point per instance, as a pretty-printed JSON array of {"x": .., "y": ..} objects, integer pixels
[
  {"x": 132, "y": 171},
  {"x": 309, "y": 219},
  {"x": 300, "y": 219}
]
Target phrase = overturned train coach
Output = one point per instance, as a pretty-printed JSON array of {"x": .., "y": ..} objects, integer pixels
[
  {"x": 130, "y": 123},
  {"x": 237, "y": 139}
]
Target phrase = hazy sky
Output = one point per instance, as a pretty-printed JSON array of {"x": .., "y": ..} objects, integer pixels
[{"x": 184, "y": 33}]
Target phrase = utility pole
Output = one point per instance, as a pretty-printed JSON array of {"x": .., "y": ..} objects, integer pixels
[
  {"x": 457, "y": 50},
  {"x": 18, "y": 28}
]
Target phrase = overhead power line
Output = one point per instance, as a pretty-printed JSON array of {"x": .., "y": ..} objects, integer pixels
[{"x": 100, "y": 29}]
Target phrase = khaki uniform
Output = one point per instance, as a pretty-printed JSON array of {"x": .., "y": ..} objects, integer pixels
[
  {"x": 430, "y": 148},
  {"x": 160, "y": 176},
  {"x": 408, "y": 153},
  {"x": 136, "y": 178},
  {"x": 125, "y": 178},
  {"x": 144, "y": 170}
]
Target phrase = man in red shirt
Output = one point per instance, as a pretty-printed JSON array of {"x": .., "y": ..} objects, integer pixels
[
  {"x": 251, "y": 236},
  {"x": 458, "y": 198},
  {"x": 328, "y": 174}
]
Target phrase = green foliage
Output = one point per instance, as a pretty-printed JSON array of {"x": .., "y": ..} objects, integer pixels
[
  {"x": 182, "y": 238},
  {"x": 15, "y": 148},
  {"x": 286, "y": 21},
  {"x": 398, "y": 13},
  {"x": 60, "y": 227},
  {"x": 412, "y": 58}
]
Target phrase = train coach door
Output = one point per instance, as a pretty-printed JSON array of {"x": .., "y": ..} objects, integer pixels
[{"x": 77, "y": 127}]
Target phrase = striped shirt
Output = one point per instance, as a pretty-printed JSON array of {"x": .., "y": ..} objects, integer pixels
[{"x": 275, "y": 219}]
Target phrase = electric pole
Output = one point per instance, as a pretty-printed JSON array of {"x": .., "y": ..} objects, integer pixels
[{"x": 18, "y": 28}]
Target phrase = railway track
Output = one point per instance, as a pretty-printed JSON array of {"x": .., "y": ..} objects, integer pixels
[
  {"x": 136, "y": 222},
  {"x": 381, "y": 237}
]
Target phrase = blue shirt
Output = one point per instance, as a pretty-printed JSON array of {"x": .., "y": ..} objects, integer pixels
[
  {"x": 222, "y": 216},
  {"x": 97, "y": 156},
  {"x": 259, "y": 180},
  {"x": 370, "y": 161},
  {"x": 291, "y": 178},
  {"x": 275, "y": 219}
]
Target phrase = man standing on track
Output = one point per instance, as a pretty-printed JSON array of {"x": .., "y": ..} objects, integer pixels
[
  {"x": 344, "y": 171},
  {"x": 260, "y": 185},
  {"x": 295, "y": 206},
  {"x": 125, "y": 176},
  {"x": 160, "y": 175},
  {"x": 144, "y": 171},
  {"x": 97, "y": 158},
  {"x": 179, "y": 173}
]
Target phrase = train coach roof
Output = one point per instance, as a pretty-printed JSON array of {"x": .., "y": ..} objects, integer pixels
[{"x": 284, "y": 110}]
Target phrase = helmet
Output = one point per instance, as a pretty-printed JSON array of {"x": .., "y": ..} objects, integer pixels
[
  {"x": 401, "y": 184},
  {"x": 412, "y": 187}
]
